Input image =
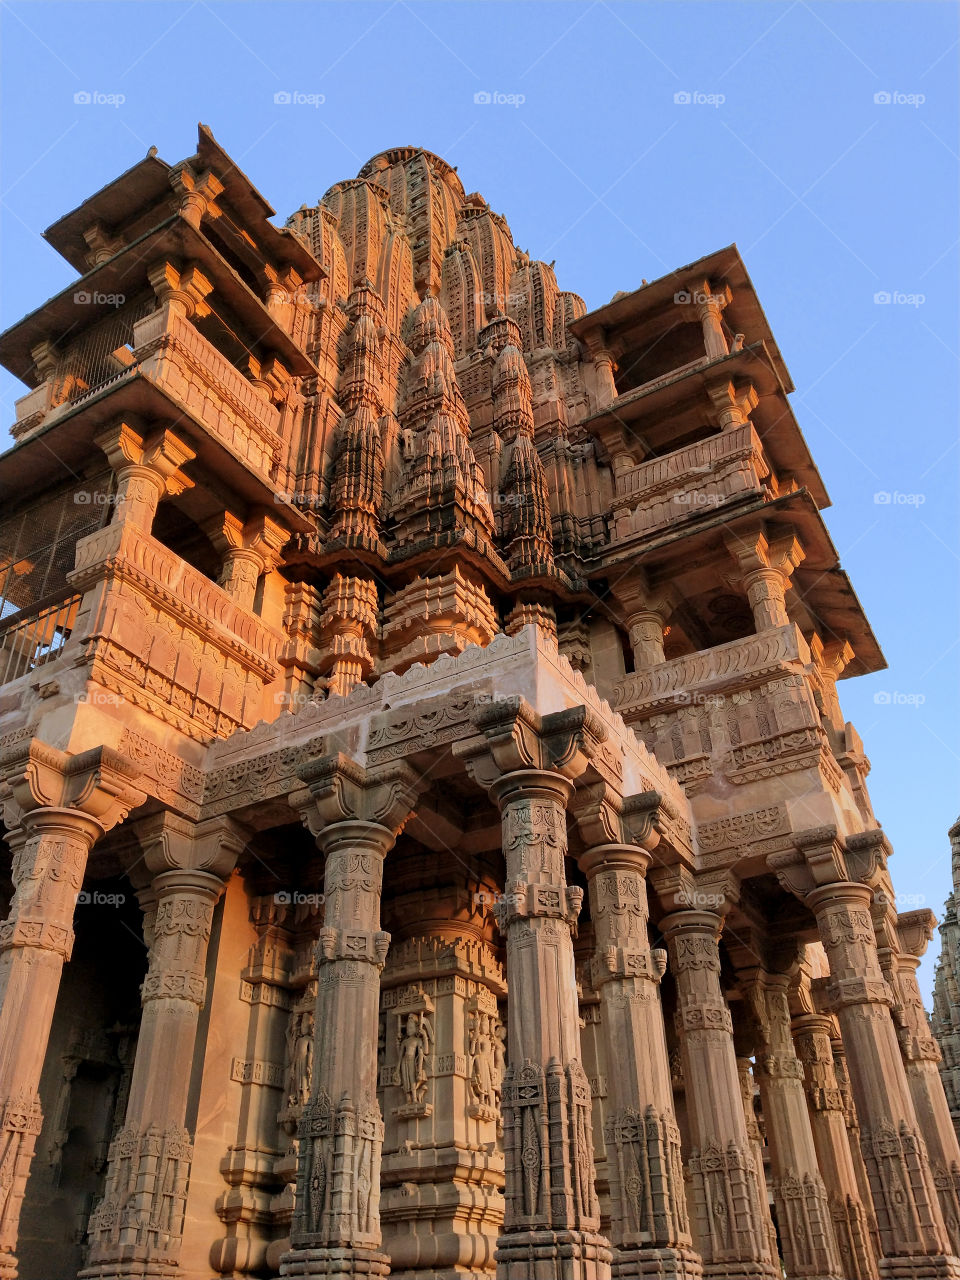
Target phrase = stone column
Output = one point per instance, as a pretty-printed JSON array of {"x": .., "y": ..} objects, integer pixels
[
  {"x": 766, "y": 568},
  {"x": 552, "y": 1216},
  {"x": 336, "y": 1225},
  {"x": 921, "y": 1057},
  {"x": 912, "y": 1235},
  {"x": 50, "y": 844},
  {"x": 709, "y": 307},
  {"x": 649, "y": 1225},
  {"x": 49, "y": 855},
  {"x": 749, "y": 1092},
  {"x": 136, "y": 1230},
  {"x": 803, "y": 1214},
  {"x": 147, "y": 470},
  {"x": 811, "y": 1034},
  {"x": 729, "y": 1207}
]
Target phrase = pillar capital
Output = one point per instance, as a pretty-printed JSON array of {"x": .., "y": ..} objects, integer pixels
[
  {"x": 99, "y": 784},
  {"x": 510, "y": 737},
  {"x": 175, "y": 844},
  {"x": 148, "y": 468},
  {"x": 339, "y": 790},
  {"x": 766, "y": 559}
]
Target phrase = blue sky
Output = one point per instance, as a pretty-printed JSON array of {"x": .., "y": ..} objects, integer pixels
[{"x": 832, "y": 196}]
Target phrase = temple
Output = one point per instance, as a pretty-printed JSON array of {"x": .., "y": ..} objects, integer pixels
[{"x": 432, "y": 842}]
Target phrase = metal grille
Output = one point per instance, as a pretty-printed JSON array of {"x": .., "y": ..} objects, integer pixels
[
  {"x": 88, "y": 362},
  {"x": 30, "y": 641},
  {"x": 37, "y": 545}
]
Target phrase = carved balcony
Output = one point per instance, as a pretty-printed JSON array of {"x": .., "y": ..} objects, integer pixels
[
  {"x": 701, "y": 477},
  {"x": 746, "y": 710},
  {"x": 174, "y": 358},
  {"x": 161, "y": 635},
  {"x": 696, "y": 676}
]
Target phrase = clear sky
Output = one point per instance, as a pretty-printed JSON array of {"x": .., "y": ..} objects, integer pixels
[{"x": 833, "y": 195}]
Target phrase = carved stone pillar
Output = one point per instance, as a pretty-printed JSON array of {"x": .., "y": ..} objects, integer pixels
[
  {"x": 147, "y": 470},
  {"x": 710, "y": 305},
  {"x": 136, "y": 1230},
  {"x": 851, "y": 1222},
  {"x": 748, "y": 1093},
  {"x": 766, "y": 568},
  {"x": 248, "y": 550},
  {"x": 803, "y": 1214},
  {"x": 552, "y": 1215},
  {"x": 912, "y": 1233},
  {"x": 649, "y": 1225},
  {"x": 921, "y": 1057},
  {"x": 336, "y": 1225},
  {"x": 729, "y": 1205},
  {"x": 50, "y": 844}
]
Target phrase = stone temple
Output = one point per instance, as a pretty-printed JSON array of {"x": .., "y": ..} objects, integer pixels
[{"x": 432, "y": 842}]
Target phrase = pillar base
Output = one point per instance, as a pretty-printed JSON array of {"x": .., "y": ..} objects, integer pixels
[
  {"x": 918, "y": 1267},
  {"x": 656, "y": 1264},
  {"x": 9, "y": 1266},
  {"x": 334, "y": 1261},
  {"x": 553, "y": 1255}
]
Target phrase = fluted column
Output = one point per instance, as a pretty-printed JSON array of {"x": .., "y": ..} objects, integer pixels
[
  {"x": 803, "y": 1215},
  {"x": 650, "y": 1228},
  {"x": 811, "y": 1033},
  {"x": 137, "y": 1228},
  {"x": 912, "y": 1234},
  {"x": 552, "y": 1215},
  {"x": 49, "y": 856},
  {"x": 921, "y": 1057},
  {"x": 729, "y": 1208}
]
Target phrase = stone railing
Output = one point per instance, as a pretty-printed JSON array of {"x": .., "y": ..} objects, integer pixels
[
  {"x": 700, "y": 477},
  {"x": 697, "y": 676},
  {"x": 172, "y": 353},
  {"x": 163, "y": 636}
]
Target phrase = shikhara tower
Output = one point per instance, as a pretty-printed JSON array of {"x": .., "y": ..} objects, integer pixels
[{"x": 432, "y": 841}]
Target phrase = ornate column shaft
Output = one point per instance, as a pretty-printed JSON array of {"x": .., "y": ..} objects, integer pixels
[
  {"x": 803, "y": 1214},
  {"x": 336, "y": 1224},
  {"x": 912, "y": 1233},
  {"x": 811, "y": 1033},
  {"x": 649, "y": 1228},
  {"x": 552, "y": 1215},
  {"x": 49, "y": 856},
  {"x": 57, "y": 805},
  {"x": 729, "y": 1205},
  {"x": 337, "y": 1218},
  {"x": 921, "y": 1057},
  {"x": 137, "y": 1228}
]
